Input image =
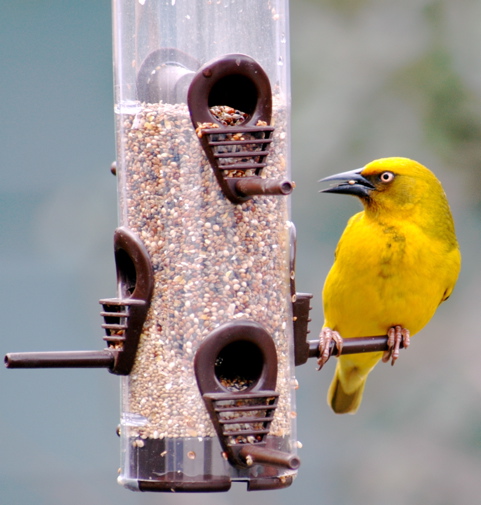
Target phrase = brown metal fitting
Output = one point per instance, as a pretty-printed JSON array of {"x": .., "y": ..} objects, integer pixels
[
  {"x": 237, "y": 153},
  {"x": 60, "y": 359},
  {"x": 236, "y": 371},
  {"x": 354, "y": 345},
  {"x": 123, "y": 316},
  {"x": 310, "y": 349},
  {"x": 301, "y": 308},
  {"x": 251, "y": 454},
  {"x": 250, "y": 186}
]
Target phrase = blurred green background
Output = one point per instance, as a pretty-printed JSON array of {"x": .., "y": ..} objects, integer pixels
[{"x": 370, "y": 78}]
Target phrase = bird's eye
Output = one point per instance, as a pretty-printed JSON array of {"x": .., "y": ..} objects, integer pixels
[{"x": 386, "y": 177}]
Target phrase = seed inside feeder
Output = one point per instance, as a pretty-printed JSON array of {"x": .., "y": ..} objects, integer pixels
[
  {"x": 213, "y": 262},
  {"x": 228, "y": 116}
]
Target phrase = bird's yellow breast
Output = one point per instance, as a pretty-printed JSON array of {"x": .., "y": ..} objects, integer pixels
[{"x": 385, "y": 274}]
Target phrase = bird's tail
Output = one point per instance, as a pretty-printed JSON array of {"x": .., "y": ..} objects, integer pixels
[
  {"x": 341, "y": 401},
  {"x": 347, "y": 386}
]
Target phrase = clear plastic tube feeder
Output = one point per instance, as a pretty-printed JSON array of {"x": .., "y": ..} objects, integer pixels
[
  {"x": 202, "y": 114},
  {"x": 206, "y": 327}
]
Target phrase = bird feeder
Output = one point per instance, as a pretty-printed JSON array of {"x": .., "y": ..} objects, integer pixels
[
  {"x": 201, "y": 329},
  {"x": 206, "y": 327},
  {"x": 202, "y": 112}
]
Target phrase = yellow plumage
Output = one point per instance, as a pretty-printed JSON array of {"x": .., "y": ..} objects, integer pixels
[{"x": 396, "y": 261}]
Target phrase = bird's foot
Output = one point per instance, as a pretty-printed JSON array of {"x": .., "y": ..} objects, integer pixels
[
  {"x": 397, "y": 336},
  {"x": 325, "y": 338}
]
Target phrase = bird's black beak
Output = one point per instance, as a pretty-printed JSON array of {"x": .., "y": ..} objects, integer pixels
[{"x": 352, "y": 183}]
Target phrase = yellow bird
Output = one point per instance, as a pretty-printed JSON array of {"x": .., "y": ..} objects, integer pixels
[{"x": 396, "y": 261}]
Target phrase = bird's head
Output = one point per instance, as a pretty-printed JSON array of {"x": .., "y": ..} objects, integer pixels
[{"x": 389, "y": 184}]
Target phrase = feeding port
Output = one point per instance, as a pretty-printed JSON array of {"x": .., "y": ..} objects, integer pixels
[
  {"x": 235, "y": 136},
  {"x": 236, "y": 370}
]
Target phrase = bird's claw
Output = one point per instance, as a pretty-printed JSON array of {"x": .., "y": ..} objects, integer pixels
[
  {"x": 325, "y": 338},
  {"x": 397, "y": 335}
]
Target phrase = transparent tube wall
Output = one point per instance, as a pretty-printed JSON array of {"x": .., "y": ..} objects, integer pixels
[{"x": 214, "y": 261}]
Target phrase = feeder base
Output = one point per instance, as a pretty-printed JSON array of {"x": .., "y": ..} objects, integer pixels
[{"x": 195, "y": 465}]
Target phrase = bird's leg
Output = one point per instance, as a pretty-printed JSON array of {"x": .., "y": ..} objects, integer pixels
[
  {"x": 325, "y": 338},
  {"x": 397, "y": 335}
]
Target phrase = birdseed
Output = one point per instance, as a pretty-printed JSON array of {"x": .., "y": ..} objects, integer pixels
[{"x": 213, "y": 262}]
